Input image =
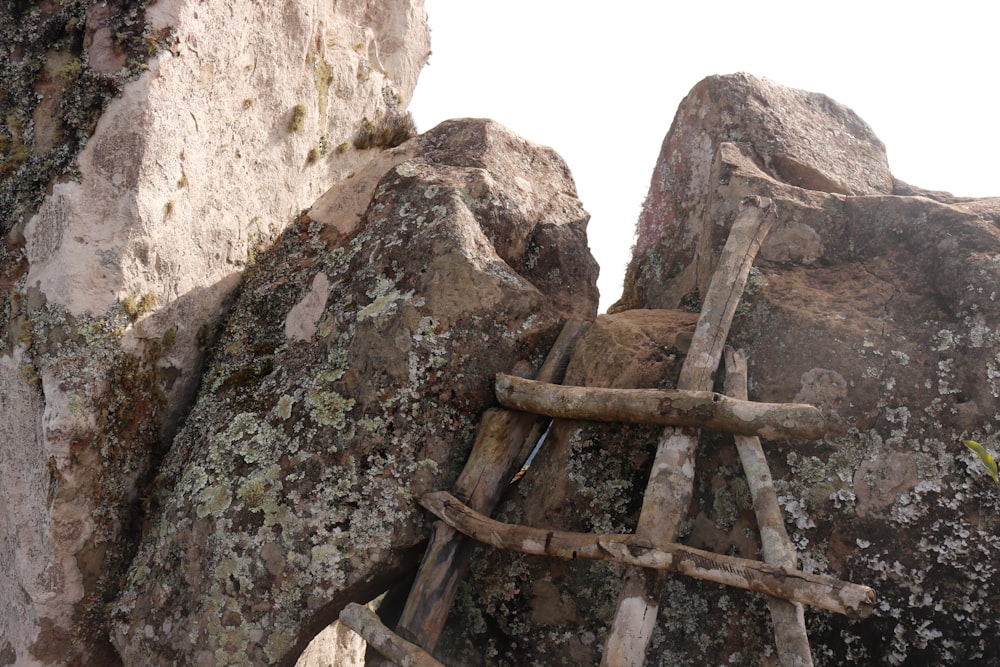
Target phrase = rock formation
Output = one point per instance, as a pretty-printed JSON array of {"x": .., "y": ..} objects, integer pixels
[
  {"x": 127, "y": 224},
  {"x": 161, "y": 510},
  {"x": 349, "y": 381},
  {"x": 872, "y": 299}
]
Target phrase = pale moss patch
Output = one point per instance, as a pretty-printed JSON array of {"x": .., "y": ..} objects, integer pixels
[
  {"x": 337, "y": 357},
  {"x": 407, "y": 169},
  {"x": 251, "y": 493},
  {"x": 214, "y": 500},
  {"x": 247, "y": 437},
  {"x": 229, "y": 566},
  {"x": 329, "y": 408},
  {"x": 371, "y": 424},
  {"x": 384, "y": 296},
  {"x": 324, "y": 554},
  {"x": 279, "y": 643},
  {"x": 428, "y": 464},
  {"x": 284, "y": 407},
  {"x": 427, "y": 327},
  {"x": 243, "y": 424},
  {"x": 276, "y": 513},
  {"x": 326, "y": 326},
  {"x": 195, "y": 478}
]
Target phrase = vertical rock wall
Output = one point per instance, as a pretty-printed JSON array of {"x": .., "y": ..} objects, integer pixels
[{"x": 244, "y": 113}]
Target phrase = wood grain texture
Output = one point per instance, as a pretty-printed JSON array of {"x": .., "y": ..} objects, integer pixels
[{"x": 670, "y": 407}]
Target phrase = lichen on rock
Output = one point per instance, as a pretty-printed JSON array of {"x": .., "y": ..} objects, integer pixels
[
  {"x": 318, "y": 447},
  {"x": 128, "y": 130},
  {"x": 881, "y": 314}
]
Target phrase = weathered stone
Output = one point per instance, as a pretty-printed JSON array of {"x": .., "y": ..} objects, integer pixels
[
  {"x": 795, "y": 137},
  {"x": 114, "y": 287},
  {"x": 291, "y": 489},
  {"x": 335, "y": 646},
  {"x": 877, "y": 304}
]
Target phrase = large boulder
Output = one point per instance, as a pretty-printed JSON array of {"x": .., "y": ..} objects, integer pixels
[
  {"x": 872, "y": 299},
  {"x": 795, "y": 137},
  {"x": 126, "y": 227},
  {"x": 349, "y": 380}
]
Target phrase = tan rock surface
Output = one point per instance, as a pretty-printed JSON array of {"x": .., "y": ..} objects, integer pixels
[
  {"x": 113, "y": 289},
  {"x": 801, "y": 138}
]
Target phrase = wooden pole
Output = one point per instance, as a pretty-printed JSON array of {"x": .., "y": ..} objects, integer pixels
[
  {"x": 504, "y": 441},
  {"x": 788, "y": 617},
  {"x": 671, "y": 482},
  {"x": 366, "y": 623},
  {"x": 787, "y": 583},
  {"x": 674, "y": 407}
]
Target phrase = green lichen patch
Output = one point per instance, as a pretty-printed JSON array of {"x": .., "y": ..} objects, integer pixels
[
  {"x": 320, "y": 448},
  {"x": 328, "y": 407}
]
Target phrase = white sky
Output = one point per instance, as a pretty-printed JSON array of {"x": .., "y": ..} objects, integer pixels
[{"x": 600, "y": 82}]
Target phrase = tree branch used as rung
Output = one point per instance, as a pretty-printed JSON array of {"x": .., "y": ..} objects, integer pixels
[
  {"x": 366, "y": 623},
  {"x": 673, "y": 407},
  {"x": 817, "y": 590}
]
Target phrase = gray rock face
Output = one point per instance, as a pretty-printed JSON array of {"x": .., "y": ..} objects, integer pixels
[
  {"x": 114, "y": 281},
  {"x": 349, "y": 380},
  {"x": 874, "y": 300}
]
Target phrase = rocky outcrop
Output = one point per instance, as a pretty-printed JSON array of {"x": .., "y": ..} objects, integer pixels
[
  {"x": 349, "y": 380},
  {"x": 149, "y": 156},
  {"x": 803, "y": 139},
  {"x": 871, "y": 299},
  {"x": 119, "y": 259}
]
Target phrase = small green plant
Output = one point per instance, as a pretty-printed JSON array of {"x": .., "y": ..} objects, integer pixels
[
  {"x": 388, "y": 130},
  {"x": 988, "y": 461},
  {"x": 15, "y": 150},
  {"x": 169, "y": 208},
  {"x": 155, "y": 40},
  {"x": 30, "y": 374},
  {"x": 70, "y": 72},
  {"x": 298, "y": 118},
  {"x": 136, "y": 309},
  {"x": 169, "y": 337},
  {"x": 313, "y": 156}
]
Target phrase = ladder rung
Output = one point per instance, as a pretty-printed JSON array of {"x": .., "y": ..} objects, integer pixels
[
  {"x": 366, "y": 623},
  {"x": 817, "y": 590},
  {"x": 671, "y": 407}
]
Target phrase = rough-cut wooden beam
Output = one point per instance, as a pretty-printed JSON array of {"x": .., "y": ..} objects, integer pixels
[
  {"x": 787, "y": 617},
  {"x": 671, "y": 482},
  {"x": 787, "y": 583},
  {"x": 504, "y": 441},
  {"x": 366, "y": 623},
  {"x": 673, "y": 407}
]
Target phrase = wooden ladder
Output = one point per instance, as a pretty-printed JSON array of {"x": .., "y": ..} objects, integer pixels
[{"x": 507, "y": 436}]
